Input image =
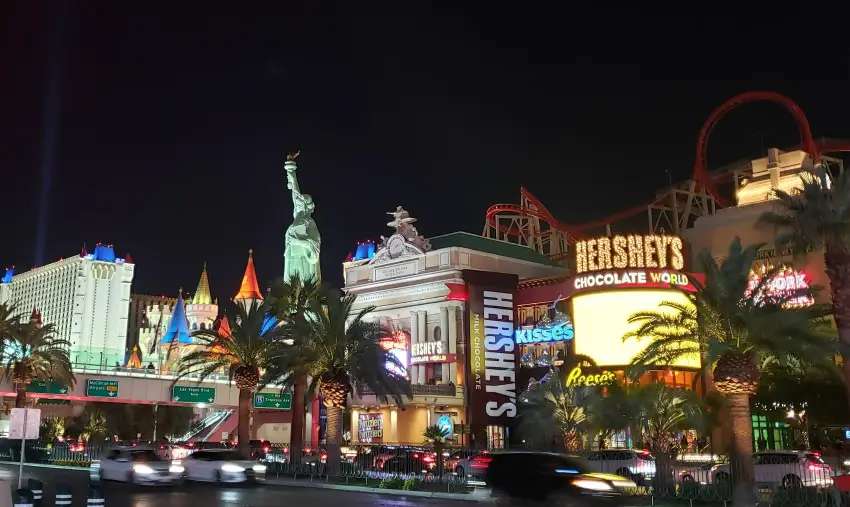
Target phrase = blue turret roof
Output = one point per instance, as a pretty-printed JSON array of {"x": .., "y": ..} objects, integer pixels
[
  {"x": 104, "y": 253},
  {"x": 10, "y": 272},
  {"x": 178, "y": 328}
]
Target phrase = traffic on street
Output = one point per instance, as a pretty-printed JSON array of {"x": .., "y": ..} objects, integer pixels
[{"x": 207, "y": 495}]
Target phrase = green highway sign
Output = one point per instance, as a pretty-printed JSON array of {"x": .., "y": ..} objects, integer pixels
[
  {"x": 274, "y": 401},
  {"x": 47, "y": 401},
  {"x": 99, "y": 388},
  {"x": 193, "y": 394},
  {"x": 46, "y": 387}
]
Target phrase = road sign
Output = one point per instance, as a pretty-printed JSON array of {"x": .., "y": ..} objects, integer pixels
[
  {"x": 49, "y": 401},
  {"x": 274, "y": 401},
  {"x": 193, "y": 394},
  {"x": 47, "y": 387},
  {"x": 99, "y": 388},
  {"x": 24, "y": 423}
]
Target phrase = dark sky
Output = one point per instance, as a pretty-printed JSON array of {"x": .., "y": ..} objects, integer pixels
[{"x": 174, "y": 118}]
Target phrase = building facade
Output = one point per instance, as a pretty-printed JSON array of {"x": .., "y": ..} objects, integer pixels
[
  {"x": 86, "y": 297},
  {"x": 433, "y": 294}
]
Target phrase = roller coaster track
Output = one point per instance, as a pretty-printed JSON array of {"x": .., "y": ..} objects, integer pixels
[{"x": 531, "y": 224}]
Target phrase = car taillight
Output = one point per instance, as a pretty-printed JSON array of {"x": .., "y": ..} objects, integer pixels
[
  {"x": 815, "y": 466},
  {"x": 481, "y": 462},
  {"x": 428, "y": 459},
  {"x": 266, "y": 448}
]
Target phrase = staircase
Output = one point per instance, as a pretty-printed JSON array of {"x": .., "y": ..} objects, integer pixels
[{"x": 200, "y": 431}]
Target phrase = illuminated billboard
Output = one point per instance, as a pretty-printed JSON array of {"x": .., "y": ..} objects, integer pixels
[
  {"x": 652, "y": 251},
  {"x": 397, "y": 347},
  {"x": 787, "y": 282},
  {"x": 601, "y": 320}
]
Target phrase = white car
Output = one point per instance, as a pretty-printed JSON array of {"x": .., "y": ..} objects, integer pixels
[
  {"x": 221, "y": 465},
  {"x": 638, "y": 466},
  {"x": 137, "y": 465},
  {"x": 789, "y": 469},
  {"x": 171, "y": 452}
]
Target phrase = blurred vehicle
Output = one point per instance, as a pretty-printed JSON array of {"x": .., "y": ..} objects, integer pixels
[
  {"x": 460, "y": 462},
  {"x": 137, "y": 465},
  {"x": 638, "y": 466},
  {"x": 411, "y": 464},
  {"x": 172, "y": 451},
  {"x": 700, "y": 474},
  {"x": 259, "y": 449},
  {"x": 789, "y": 469},
  {"x": 221, "y": 465},
  {"x": 556, "y": 478},
  {"x": 198, "y": 446}
]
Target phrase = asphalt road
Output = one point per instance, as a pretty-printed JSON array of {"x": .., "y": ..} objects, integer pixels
[{"x": 206, "y": 495}]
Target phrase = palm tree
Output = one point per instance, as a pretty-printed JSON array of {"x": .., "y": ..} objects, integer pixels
[
  {"x": 337, "y": 350},
  {"x": 737, "y": 331},
  {"x": 551, "y": 410},
  {"x": 34, "y": 352},
  {"x": 253, "y": 345},
  {"x": 10, "y": 321},
  {"x": 289, "y": 302},
  {"x": 816, "y": 217}
]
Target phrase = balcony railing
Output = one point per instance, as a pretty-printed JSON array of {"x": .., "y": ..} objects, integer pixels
[{"x": 419, "y": 390}]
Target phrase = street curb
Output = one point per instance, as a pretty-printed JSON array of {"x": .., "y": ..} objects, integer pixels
[{"x": 378, "y": 491}]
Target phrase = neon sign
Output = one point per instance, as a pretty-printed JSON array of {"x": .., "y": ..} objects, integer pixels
[
  {"x": 576, "y": 378},
  {"x": 544, "y": 334},
  {"x": 634, "y": 279},
  {"x": 653, "y": 251},
  {"x": 783, "y": 285}
]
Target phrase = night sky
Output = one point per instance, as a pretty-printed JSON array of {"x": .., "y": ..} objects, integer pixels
[{"x": 171, "y": 120}]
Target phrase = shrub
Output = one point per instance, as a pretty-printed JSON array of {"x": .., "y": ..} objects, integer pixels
[
  {"x": 392, "y": 483},
  {"x": 413, "y": 484}
]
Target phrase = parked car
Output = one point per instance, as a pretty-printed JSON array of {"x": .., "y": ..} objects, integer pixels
[
  {"x": 137, "y": 465},
  {"x": 221, "y": 465},
  {"x": 551, "y": 477},
  {"x": 789, "y": 469},
  {"x": 638, "y": 466}
]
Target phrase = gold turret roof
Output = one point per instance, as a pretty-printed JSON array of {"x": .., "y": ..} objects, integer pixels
[{"x": 202, "y": 295}]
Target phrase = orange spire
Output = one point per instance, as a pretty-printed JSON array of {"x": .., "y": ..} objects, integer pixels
[
  {"x": 250, "y": 289},
  {"x": 224, "y": 327}
]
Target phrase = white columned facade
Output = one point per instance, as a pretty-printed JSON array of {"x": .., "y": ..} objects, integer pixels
[
  {"x": 444, "y": 337},
  {"x": 423, "y": 337},
  {"x": 452, "y": 334},
  {"x": 414, "y": 338}
]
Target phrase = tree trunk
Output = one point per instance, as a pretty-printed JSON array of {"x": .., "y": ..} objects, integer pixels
[
  {"x": 334, "y": 440},
  {"x": 837, "y": 261},
  {"x": 296, "y": 445},
  {"x": 21, "y": 398},
  {"x": 244, "y": 430},
  {"x": 741, "y": 450}
]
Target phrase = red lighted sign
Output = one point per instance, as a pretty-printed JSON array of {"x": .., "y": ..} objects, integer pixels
[{"x": 784, "y": 284}]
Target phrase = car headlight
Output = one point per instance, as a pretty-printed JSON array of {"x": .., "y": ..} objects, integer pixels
[
  {"x": 260, "y": 468},
  {"x": 176, "y": 469},
  {"x": 592, "y": 485},
  {"x": 232, "y": 468},
  {"x": 142, "y": 469},
  {"x": 620, "y": 483}
]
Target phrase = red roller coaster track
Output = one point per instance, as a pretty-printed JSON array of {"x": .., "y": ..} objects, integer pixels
[{"x": 701, "y": 175}]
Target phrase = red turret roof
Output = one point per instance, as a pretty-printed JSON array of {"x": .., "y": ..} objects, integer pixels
[
  {"x": 224, "y": 327},
  {"x": 128, "y": 259},
  {"x": 35, "y": 318},
  {"x": 250, "y": 289}
]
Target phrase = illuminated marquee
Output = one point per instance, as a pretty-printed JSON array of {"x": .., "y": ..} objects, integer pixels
[
  {"x": 430, "y": 352},
  {"x": 784, "y": 284},
  {"x": 629, "y": 252},
  {"x": 577, "y": 378}
]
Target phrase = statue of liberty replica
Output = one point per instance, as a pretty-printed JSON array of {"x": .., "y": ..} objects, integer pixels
[{"x": 303, "y": 241}]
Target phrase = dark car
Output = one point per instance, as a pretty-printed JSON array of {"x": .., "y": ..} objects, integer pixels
[{"x": 542, "y": 476}]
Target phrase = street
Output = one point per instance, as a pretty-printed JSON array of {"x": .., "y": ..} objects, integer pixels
[{"x": 206, "y": 495}]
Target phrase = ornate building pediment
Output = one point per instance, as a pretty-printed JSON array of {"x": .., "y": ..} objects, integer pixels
[{"x": 395, "y": 248}]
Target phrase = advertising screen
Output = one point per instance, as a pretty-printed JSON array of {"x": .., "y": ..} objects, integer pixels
[
  {"x": 601, "y": 320},
  {"x": 397, "y": 346},
  {"x": 370, "y": 428}
]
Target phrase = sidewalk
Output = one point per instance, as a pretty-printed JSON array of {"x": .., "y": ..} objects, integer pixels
[{"x": 478, "y": 495}]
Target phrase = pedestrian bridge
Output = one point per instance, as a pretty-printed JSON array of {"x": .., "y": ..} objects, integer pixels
[{"x": 137, "y": 385}]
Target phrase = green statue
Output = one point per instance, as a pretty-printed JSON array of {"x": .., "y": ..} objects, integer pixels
[{"x": 303, "y": 241}]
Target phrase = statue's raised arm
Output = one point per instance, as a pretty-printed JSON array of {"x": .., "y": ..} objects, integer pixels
[{"x": 291, "y": 179}]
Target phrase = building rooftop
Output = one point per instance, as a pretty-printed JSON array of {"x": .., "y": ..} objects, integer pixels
[{"x": 491, "y": 246}]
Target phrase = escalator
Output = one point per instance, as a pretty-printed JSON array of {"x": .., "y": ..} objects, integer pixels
[{"x": 201, "y": 430}]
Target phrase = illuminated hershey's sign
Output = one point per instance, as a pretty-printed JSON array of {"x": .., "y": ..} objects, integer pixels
[{"x": 632, "y": 251}]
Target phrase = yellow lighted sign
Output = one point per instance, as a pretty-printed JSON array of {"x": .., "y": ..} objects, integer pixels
[
  {"x": 655, "y": 251},
  {"x": 577, "y": 378}
]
